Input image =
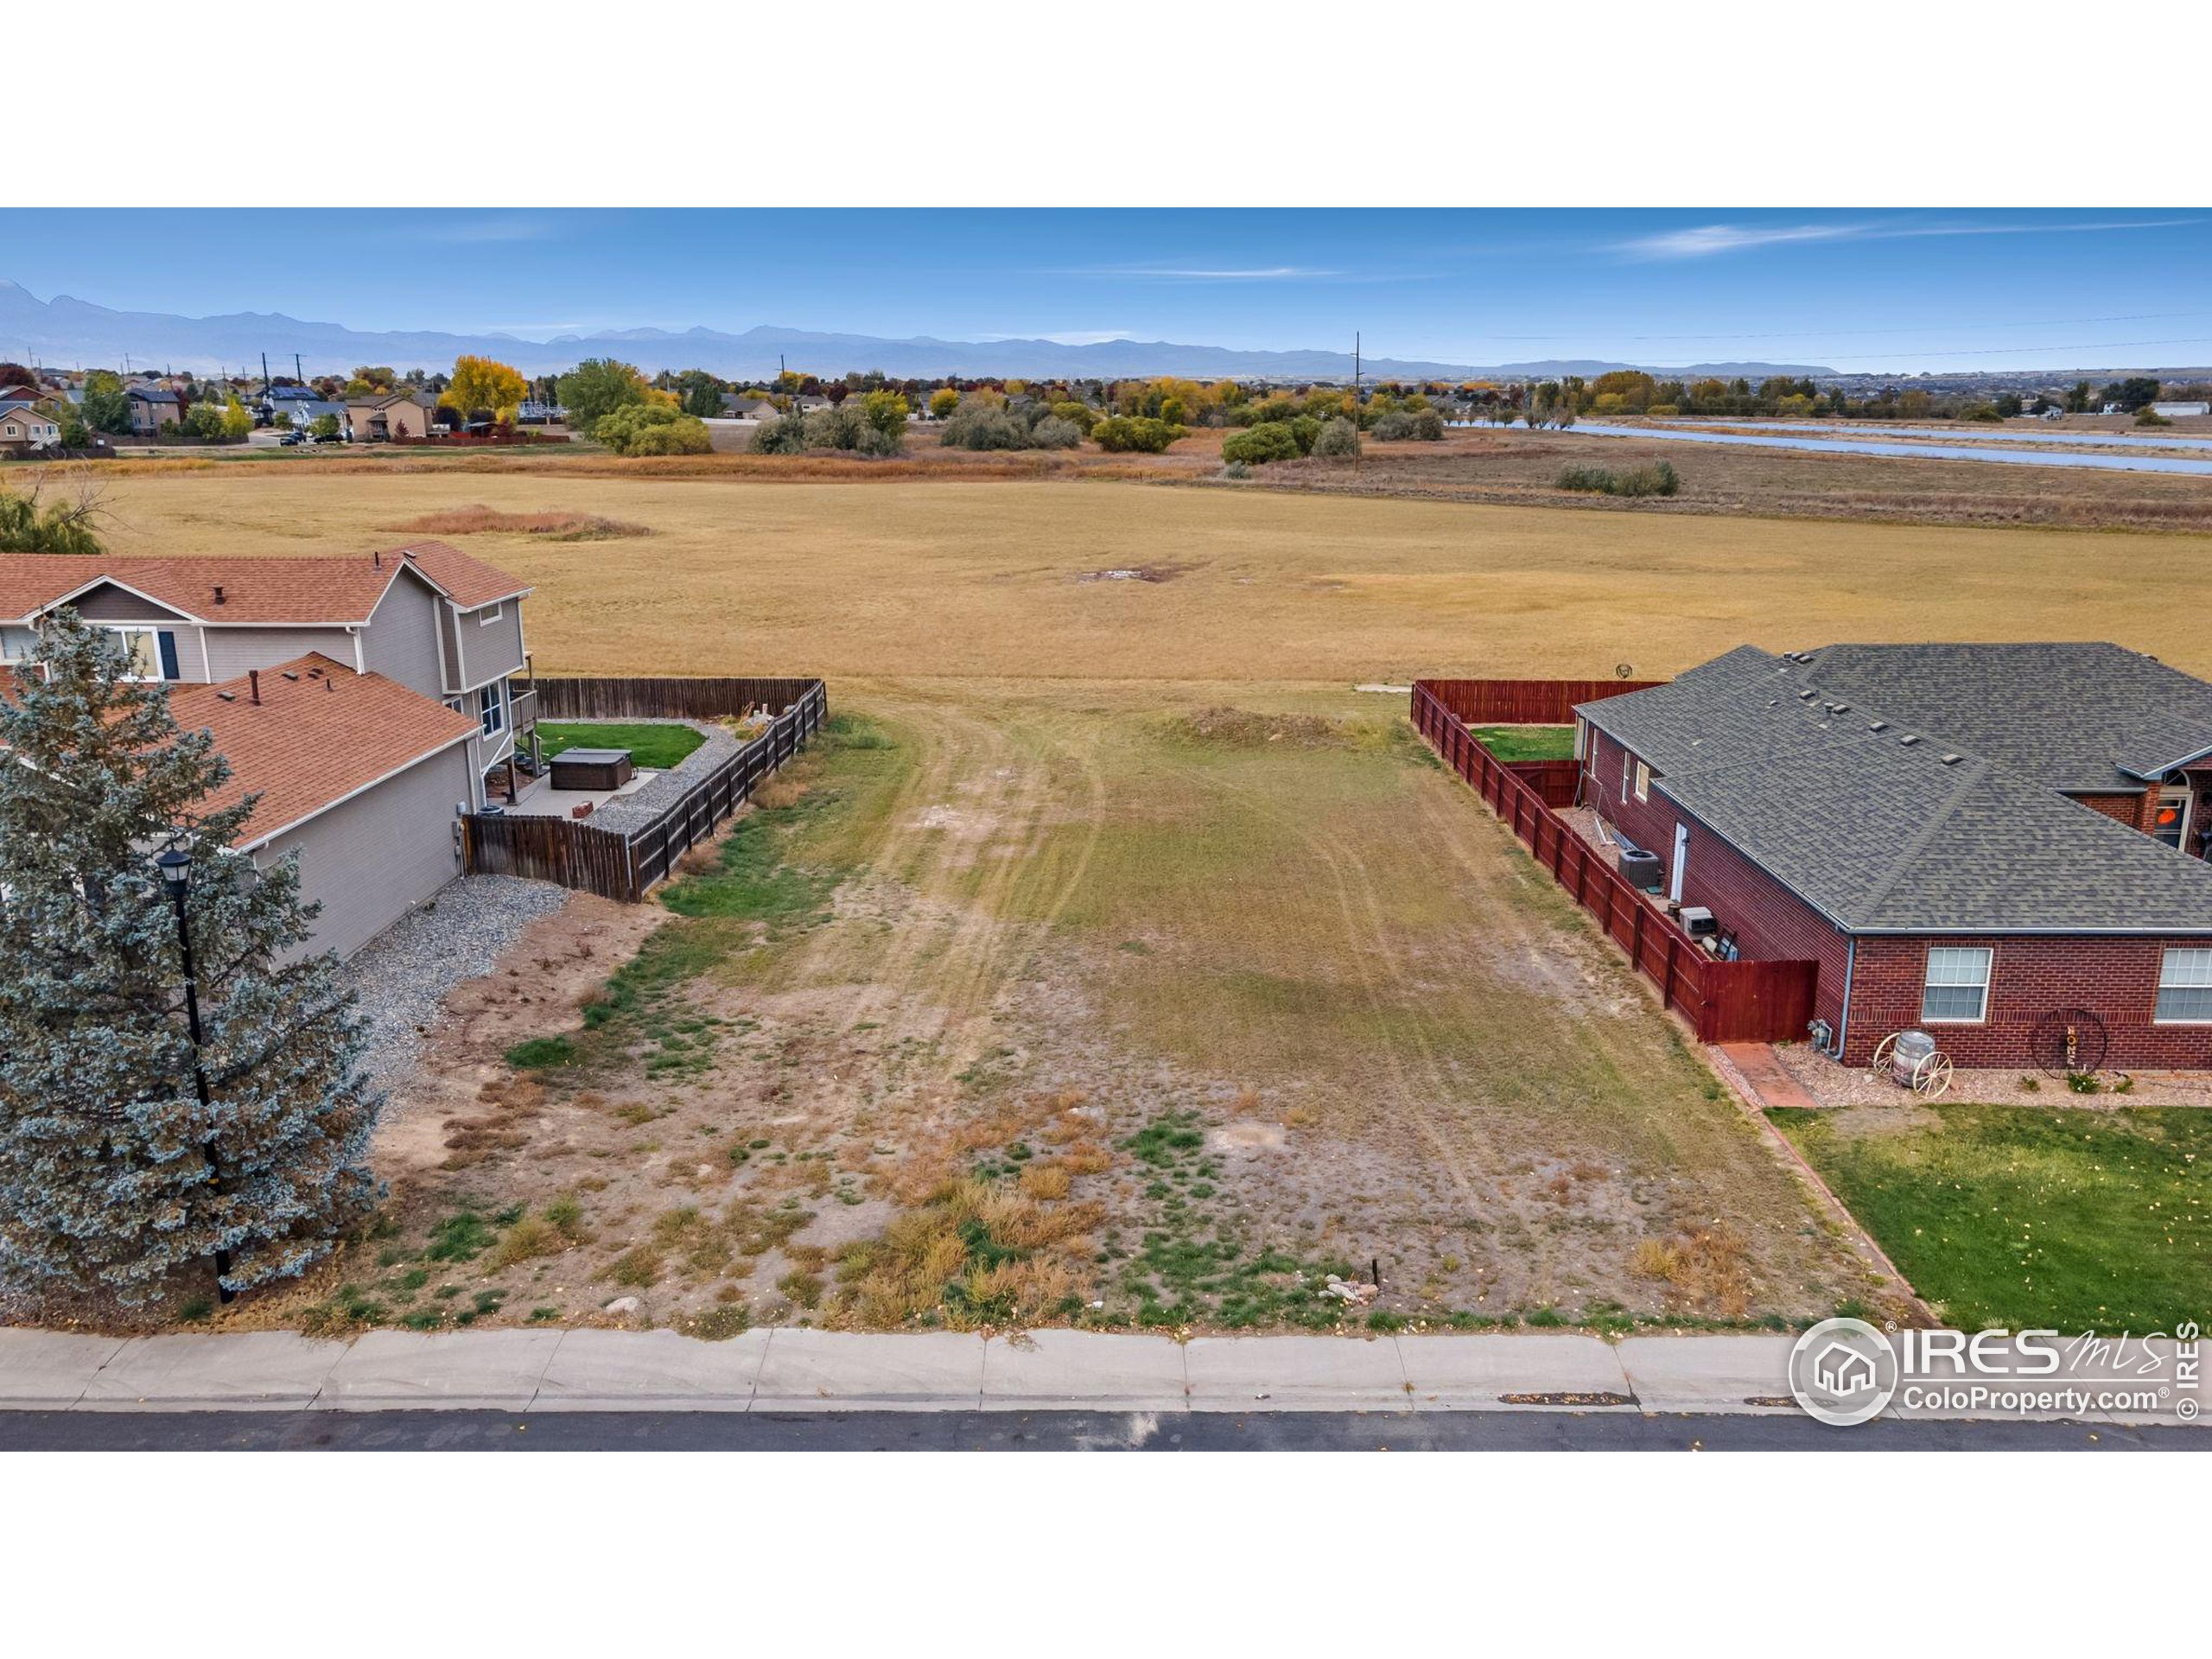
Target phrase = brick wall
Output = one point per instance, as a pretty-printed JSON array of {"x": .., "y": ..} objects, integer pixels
[
  {"x": 2029, "y": 977},
  {"x": 1770, "y": 923},
  {"x": 2130, "y": 809}
]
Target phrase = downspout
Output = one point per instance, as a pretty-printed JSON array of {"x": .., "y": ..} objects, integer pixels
[{"x": 1843, "y": 1020}]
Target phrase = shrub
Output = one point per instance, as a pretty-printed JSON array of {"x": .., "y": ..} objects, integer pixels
[
  {"x": 1121, "y": 433},
  {"x": 1657, "y": 479},
  {"x": 1053, "y": 433},
  {"x": 1256, "y": 446},
  {"x": 886, "y": 412},
  {"x": 2149, "y": 417},
  {"x": 1985, "y": 413},
  {"x": 1081, "y": 416},
  {"x": 1237, "y": 469},
  {"x": 785, "y": 435},
  {"x": 1597, "y": 480},
  {"x": 1428, "y": 426},
  {"x": 651, "y": 430},
  {"x": 1394, "y": 426},
  {"x": 1664, "y": 409},
  {"x": 982, "y": 426},
  {"x": 1337, "y": 438},
  {"x": 943, "y": 401}
]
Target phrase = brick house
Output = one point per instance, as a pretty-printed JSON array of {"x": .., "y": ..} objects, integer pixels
[
  {"x": 1971, "y": 839},
  {"x": 367, "y": 699}
]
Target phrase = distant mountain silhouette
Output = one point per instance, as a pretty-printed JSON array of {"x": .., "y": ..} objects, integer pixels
[{"x": 65, "y": 333}]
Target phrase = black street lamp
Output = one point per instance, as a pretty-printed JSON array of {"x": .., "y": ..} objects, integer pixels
[{"x": 175, "y": 867}]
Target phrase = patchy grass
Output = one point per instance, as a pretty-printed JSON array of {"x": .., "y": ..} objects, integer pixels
[
  {"x": 654, "y": 747},
  {"x": 2024, "y": 1216},
  {"x": 538, "y": 1053}
]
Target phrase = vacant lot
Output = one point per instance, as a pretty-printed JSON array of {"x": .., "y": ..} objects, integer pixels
[
  {"x": 1068, "y": 1006},
  {"x": 2080, "y": 1219},
  {"x": 1004, "y": 578}
]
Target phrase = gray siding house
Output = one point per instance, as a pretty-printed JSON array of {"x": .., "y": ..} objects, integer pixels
[{"x": 367, "y": 700}]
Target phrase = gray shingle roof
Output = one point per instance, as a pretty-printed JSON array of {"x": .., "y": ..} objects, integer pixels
[
  {"x": 1882, "y": 835},
  {"x": 2076, "y": 716}
]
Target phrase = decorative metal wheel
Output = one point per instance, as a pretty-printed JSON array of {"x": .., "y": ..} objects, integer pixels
[
  {"x": 2068, "y": 1041},
  {"x": 1932, "y": 1075},
  {"x": 1883, "y": 1049}
]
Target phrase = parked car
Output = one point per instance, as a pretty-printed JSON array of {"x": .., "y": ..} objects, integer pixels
[{"x": 292, "y": 438}]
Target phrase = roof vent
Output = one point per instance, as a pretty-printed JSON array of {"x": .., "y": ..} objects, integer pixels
[
  {"x": 253, "y": 684},
  {"x": 218, "y": 593},
  {"x": 1878, "y": 726},
  {"x": 1950, "y": 759},
  {"x": 1909, "y": 740},
  {"x": 228, "y": 696},
  {"x": 1806, "y": 696},
  {"x": 291, "y": 674},
  {"x": 376, "y": 557},
  {"x": 1839, "y": 708}
]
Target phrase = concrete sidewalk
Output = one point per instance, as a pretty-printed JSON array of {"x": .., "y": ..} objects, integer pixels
[{"x": 801, "y": 1370}]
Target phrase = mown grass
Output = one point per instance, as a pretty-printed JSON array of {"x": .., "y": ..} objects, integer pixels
[
  {"x": 2029, "y": 1217},
  {"x": 655, "y": 747},
  {"x": 1522, "y": 742}
]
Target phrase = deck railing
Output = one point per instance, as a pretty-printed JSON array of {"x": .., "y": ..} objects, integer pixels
[{"x": 1723, "y": 1001}]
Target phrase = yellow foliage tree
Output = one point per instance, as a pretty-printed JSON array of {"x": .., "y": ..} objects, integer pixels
[{"x": 481, "y": 382}]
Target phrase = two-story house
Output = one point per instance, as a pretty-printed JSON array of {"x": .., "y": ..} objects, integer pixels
[
  {"x": 367, "y": 699},
  {"x": 2002, "y": 843}
]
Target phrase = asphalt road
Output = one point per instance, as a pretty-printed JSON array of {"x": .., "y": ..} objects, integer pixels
[{"x": 975, "y": 1431}]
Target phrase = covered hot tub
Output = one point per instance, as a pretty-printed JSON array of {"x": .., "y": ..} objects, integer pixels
[{"x": 591, "y": 769}]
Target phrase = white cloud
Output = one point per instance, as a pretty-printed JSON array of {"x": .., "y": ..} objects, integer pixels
[{"x": 1703, "y": 241}]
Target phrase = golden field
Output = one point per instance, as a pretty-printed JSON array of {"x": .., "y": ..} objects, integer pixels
[{"x": 929, "y": 579}]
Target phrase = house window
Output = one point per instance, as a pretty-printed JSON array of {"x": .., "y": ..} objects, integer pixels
[
  {"x": 490, "y": 614},
  {"x": 2185, "y": 986},
  {"x": 1958, "y": 986},
  {"x": 2170, "y": 822},
  {"x": 491, "y": 710},
  {"x": 152, "y": 651},
  {"x": 1643, "y": 781}
]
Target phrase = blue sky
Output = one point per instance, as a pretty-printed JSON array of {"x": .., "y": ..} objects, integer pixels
[{"x": 1870, "y": 290}]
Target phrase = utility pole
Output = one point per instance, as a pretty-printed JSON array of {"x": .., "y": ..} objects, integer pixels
[{"x": 298, "y": 373}]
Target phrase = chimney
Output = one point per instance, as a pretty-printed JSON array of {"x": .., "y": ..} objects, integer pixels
[
  {"x": 218, "y": 593},
  {"x": 253, "y": 686}
]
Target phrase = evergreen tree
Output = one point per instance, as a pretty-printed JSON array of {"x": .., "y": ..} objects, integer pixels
[{"x": 113, "y": 1176}]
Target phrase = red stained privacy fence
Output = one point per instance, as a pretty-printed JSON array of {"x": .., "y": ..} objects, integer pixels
[
  {"x": 1723, "y": 1001},
  {"x": 625, "y": 865},
  {"x": 1524, "y": 702}
]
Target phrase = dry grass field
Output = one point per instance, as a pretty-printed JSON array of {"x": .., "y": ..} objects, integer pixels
[{"x": 988, "y": 579}]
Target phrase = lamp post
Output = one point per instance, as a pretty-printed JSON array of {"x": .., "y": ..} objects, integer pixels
[{"x": 175, "y": 867}]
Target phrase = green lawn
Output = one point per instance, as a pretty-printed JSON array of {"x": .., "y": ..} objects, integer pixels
[
  {"x": 1527, "y": 742},
  {"x": 653, "y": 748},
  {"x": 2025, "y": 1216}
]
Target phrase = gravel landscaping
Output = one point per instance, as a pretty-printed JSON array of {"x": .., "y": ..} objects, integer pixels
[
  {"x": 405, "y": 974},
  {"x": 639, "y": 809}
]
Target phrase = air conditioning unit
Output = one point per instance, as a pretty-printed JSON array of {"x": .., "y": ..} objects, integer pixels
[
  {"x": 1698, "y": 922},
  {"x": 1642, "y": 869}
]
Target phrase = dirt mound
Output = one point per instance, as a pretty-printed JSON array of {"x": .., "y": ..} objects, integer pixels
[
  {"x": 1243, "y": 728},
  {"x": 554, "y": 526}
]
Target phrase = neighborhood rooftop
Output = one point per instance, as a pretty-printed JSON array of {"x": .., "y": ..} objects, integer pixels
[
  {"x": 327, "y": 591},
  {"x": 318, "y": 733},
  {"x": 1885, "y": 822}
]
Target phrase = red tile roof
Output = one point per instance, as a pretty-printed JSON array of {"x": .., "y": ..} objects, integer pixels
[
  {"x": 310, "y": 592},
  {"x": 312, "y": 739}
]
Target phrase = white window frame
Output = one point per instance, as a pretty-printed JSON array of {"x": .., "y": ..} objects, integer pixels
[
  {"x": 2187, "y": 796},
  {"x": 2194, "y": 974},
  {"x": 125, "y": 629},
  {"x": 491, "y": 709},
  {"x": 1956, "y": 956},
  {"x": 491, "y": 613},
  {"x": 1627, "y": 761},
  {"x": 1643, "y": 781}
]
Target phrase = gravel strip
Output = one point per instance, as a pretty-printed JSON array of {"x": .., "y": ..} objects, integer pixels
[
  {"x": 634, "y": 811},
  {"x": 404, "y": 973}
]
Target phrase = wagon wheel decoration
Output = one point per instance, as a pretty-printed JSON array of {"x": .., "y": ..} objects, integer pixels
[
  {"x": 1883, "y": 1049},
  {"x": 1932, "y": 1075},
  {"x": 2067, "y": 1041}
]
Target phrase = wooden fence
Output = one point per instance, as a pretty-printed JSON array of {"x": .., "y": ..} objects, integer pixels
[
  {"x": 1525, "y": 703},
  {"x": 1723, "y": 1001},
  {"x": 626, "y": 865},
  {"x": 666, "y": 699}
]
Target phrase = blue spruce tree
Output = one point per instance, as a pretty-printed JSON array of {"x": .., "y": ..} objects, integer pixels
[{"x": 114, "y": 1180}]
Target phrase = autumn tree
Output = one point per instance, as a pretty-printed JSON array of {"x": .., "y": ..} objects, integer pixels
[
  {"x": 482, "y": 383},
  {"x": 598, "y": 386},
  {"x": 942, "y": 402}
]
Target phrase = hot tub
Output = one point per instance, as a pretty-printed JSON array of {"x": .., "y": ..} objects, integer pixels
[{"x": 591, "y": 768}]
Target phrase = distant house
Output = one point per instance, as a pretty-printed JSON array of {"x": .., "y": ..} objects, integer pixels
[
  {"x": 1991, "y": 841},
  {"x": 738, "y": 407},
  {"x": 2170, "y": 410},
  {"x": 151, "y": 407},
  {"x": 391, "y": 415},
  {"x": 27, "y": 428}
]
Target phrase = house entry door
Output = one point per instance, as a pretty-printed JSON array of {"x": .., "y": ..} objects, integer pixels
[{"x": 1682, "y": 860}]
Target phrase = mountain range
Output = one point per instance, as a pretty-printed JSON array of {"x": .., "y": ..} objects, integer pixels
[{"x": 66, "y": 332}]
